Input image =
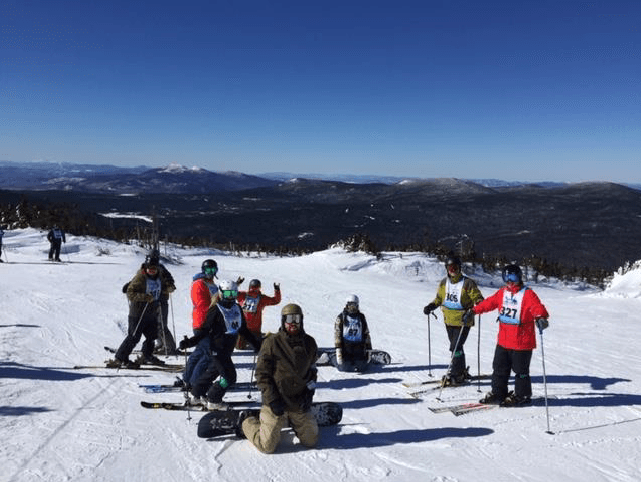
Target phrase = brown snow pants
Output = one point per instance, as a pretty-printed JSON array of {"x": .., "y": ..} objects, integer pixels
[{"x": 265, "y": 432}]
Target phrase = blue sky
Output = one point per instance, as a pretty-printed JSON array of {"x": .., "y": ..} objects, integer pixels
[{"x": 514, "y": 90}]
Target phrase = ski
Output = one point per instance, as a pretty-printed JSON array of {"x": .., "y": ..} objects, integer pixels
[
  {"x": 162, "y": 388},
  {"x": 463, "y": 408},
  {"x": 473, "y": 408},
  {"x": 182, "y": 406},
  {"x": 164, "y": 368},
  {"x": 483, "y": 376},
  {"x": 156, "y": 351}
]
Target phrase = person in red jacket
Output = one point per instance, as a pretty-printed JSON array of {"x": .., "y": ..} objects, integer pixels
[
  {"x": 519, "y": 311},
  {"x": 253, "y": 302}
]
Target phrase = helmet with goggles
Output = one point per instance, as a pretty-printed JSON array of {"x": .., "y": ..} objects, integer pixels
[
  {"x": 291, "y": 317},
  {"x": 209, "y": 268},
  {"x": 228, "y": 289},
  {"x": 512, "y": 273}
]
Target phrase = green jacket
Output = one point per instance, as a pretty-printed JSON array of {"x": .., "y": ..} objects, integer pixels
[
  {"x": 284, "y": 366},
  {"x": 470, "y": 296}
]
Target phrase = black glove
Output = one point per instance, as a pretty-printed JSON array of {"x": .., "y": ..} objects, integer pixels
[
  {"x": 185, "y": 343},
  {"x": 276, "y": 286},
  {"x": 429, "y": 308},
  {"x": 541, "y": 324},
  {"x": 468, "y": 318},
  {"x": 278, "y": 407}
]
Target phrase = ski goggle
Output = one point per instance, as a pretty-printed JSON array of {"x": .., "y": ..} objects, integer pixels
[
  {"x": 513, "y": 277},
  {"x": 152, "y": 269},
  {"x": 228, "y": 294},
  {"x": 210, "y": 271},
  {"x": 294, "y": 319}
]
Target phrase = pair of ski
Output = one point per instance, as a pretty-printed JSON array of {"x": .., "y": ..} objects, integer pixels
[
  {"x": 463, "y": 408},
  {"x": 417, "y": 389},
  {"x": 163, "y": 388},
  {"x": 158, "y": 368}
]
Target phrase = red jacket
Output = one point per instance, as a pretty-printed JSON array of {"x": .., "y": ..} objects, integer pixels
[
  {"x": 253, "y": 303},
  {"x": 201, "y": 295},
  {"x": 520, "y": 335}
]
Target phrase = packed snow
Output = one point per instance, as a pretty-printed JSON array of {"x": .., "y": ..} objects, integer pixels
[{"x": 87, "y": 425}]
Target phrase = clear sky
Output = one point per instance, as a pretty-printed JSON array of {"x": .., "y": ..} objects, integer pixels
[{"x": 515, "y": 90}]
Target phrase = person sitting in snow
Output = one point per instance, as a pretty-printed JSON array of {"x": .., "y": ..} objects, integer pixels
[
  {"x": 456, "y": 293},
  {"x": 351, "y": 338},
  {"x": 223, "y": 323},
  {"x": 519, "y": 311},
  {"x": 253, "y": 303},
  {"x": 286, "y": 376},
  {"x": 143, "y": 293}
]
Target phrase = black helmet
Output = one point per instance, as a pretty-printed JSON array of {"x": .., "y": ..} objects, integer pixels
[
  {"x": 153, "y": 258},
  {"x": 254, "y": 284},
  {"x": 452, "y": 260},
  {"x": 513, "y": 273},
  {"x": 209, "y": 267}
]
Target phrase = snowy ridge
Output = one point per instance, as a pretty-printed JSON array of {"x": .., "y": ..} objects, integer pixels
[{"x": 87, "y": 425}]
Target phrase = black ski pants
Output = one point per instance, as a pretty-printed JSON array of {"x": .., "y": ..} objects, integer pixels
[
  {"x": 458, "y": 354},
  {"x": 147, "y": 325},
  {"x": 506, "y": 361},
  {"x": 219, "y": 365}
]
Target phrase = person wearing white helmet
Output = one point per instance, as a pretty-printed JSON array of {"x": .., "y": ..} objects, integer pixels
[
  {"x": 224, "y": 322},
  {"x": 351, "y": 338}
]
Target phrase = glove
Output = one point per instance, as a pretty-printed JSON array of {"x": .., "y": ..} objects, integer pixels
[
  {"x": 171, "y": 289},
  {"x": 429, "y": 308},
  {"x": 276, "y": 286},
  {"x": 468, "y": 318},
  {"x": 541, "y": 324},
  {"x": 240, "y": 280},
  {"x": 184, "y": 343},
  {"x": 278, "y": 407},
  {"x": 339, "y": 356}
]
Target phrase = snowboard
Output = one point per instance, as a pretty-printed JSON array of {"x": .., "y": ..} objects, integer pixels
[
  {"x": 182, "y": 406},
  {"x": 160, "y": 388},
  {"x": 215, "y": 424},
  {"x": 377, "y": 357}
]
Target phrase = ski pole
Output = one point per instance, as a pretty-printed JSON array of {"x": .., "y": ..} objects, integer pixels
[
  {"x": 478, "y": 355},
  {"x": 429, "y": 344},
  {"x": 173, "y": 320},
  {"x": 545, "y": 385},
  {"x": 251, "y": 378},
  {"x": 451, "y": 359}
]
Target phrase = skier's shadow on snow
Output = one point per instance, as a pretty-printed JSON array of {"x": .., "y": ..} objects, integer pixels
[
  {"x": 20, "y": 411},
  {"x": 26, "y": 372},
  {"x": 596, "y": 400},
  {"x": 405, "y": 368},
  {"x": 341, "y": 383},
  {"x": 350, "y": 441},
  {"x": 374, "y": 402},
  {"x": 19, "y": 325},
  {"x": 597, "y": 383}
]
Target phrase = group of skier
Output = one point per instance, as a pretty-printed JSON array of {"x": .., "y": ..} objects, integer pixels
[
  {"x": 520, "y": 311},
  {"x": 224, "y": 319}
]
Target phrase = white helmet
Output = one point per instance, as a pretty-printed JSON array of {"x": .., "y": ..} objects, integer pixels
[
  {"x": 352, "y": 299},
  {"x": 228, "y": 289}
]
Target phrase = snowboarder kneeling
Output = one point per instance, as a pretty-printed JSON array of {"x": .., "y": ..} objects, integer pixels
[
  {"x": 351, "y": 339},
  {"x": 286, "y": 377},
  {"x": 519, "y": 311}
]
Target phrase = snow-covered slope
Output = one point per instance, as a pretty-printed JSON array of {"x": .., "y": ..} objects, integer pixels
[{"x": 87, "y": 425}]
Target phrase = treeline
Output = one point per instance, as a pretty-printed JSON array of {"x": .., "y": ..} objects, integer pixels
[{"x": 74, "y": 220}]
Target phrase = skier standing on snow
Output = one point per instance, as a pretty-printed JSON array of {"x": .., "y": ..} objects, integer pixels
[
  {"x": 253, "y": 303},
  {"x": 456, "y": 293},
  {"x": 223, "y": 323},
  {"x": 165, "y": 342},
  {"x": 56, "y": 237},
  {"x": 519, "y": 311},
  {"x": 286, "y": 375},
  {"x": 143, "y": 293},
  {"x": 203, "y": 294},
  {"x": 351, "y": 338}
]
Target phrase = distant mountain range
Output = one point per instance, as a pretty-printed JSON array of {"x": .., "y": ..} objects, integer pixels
[
  {"x": 580, "y": 224},
  {"x": 176, "y": 178}
]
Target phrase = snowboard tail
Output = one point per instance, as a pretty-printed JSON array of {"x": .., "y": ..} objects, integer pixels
[{"x": 377, "y": 357}]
